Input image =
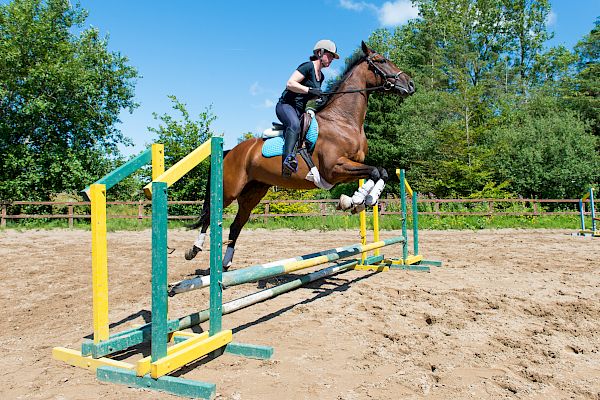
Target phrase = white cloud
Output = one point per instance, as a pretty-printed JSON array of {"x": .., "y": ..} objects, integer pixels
[
  {"x": 261, "y": 126},
  {"x": 356, "y": 5},
  {"x": 267, "y": 103},
  {"x": 397, "y": 13},
  {"x": 391, "y": 13},
  {"x": 551, "y": 18},
  {"x": 256, "y": 89}
]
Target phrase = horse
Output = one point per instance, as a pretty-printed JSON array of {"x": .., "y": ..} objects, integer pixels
[{"x": 338, "y": 154}]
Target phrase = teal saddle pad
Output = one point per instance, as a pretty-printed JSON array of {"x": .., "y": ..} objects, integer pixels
[{"x": 273, "y": 147}]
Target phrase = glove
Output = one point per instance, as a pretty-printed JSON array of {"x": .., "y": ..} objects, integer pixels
[{"x": 315, "y": 91}]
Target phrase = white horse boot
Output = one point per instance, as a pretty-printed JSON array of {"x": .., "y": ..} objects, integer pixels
[
  {"x": 228, "y": 258},
  {"x": 373, "y": 196},
  {"x": 362, "y": 192}
]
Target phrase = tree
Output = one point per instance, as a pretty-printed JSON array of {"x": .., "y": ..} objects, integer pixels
[
  {"x": 248, "y": 135},
  {"x": 527, "y": 31},
  {"x": 482, "y": 75},
  {"x": 585, "y": 96},
  {"x": 542, "y": 149},
  {"x": 60, "y": 97},
  {"x": 180, "y": 137}
]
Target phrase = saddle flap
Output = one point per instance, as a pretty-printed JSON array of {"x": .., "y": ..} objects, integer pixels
[{"x": 305, "y": 120}]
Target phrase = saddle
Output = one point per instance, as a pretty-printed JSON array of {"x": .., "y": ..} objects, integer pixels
[
  {"x": 306, "y": 139},
  {"x": 277, "y": 129}
]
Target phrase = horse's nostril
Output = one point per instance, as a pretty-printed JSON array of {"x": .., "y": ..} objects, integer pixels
[{"x": 411, "y": 85}]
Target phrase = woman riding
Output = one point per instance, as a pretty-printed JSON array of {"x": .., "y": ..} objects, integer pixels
[{"x": 303, "y": 85}]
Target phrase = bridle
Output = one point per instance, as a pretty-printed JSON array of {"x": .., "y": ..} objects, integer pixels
[{"x": 387, "y": 84}]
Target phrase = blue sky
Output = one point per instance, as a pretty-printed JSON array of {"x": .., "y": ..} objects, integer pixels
[{"x": 237, "y": 56}]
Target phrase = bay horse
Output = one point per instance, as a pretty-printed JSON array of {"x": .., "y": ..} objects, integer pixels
[{"x": 338, "y": 154}]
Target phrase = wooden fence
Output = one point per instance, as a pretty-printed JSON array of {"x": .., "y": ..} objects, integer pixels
[{"x": 438, "y": 207}]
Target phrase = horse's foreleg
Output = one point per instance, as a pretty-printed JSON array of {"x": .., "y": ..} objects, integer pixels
[
  {"x": 373, "y": 197},
  {"x": 250, "y": 196},
  {"x": 368, "y": 194}
]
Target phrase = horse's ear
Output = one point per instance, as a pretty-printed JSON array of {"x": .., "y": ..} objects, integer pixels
[{"x": 366, "y": 48}]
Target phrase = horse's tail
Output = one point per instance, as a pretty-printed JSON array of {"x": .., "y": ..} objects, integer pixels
[{"x": 206, "y": 204}]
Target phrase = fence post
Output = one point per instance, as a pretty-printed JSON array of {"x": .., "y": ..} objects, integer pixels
[
  {"x": 3, "y": 219},
  {"x": 71, "y": 216},
  {"x": 535, "y": 208},
  {"x": 266, "y": 212},
  {"x": 491, "y": 208},
  {"x": 140, "y": 210},
  {"x": 436, "y": 209}
]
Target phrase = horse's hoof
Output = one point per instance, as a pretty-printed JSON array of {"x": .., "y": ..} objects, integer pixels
[
  {"x": 345, "y": 203},
  {"x": 358, "y": 208},
  {"x": 191, "y": 253},
  {"x": 370, "y": 201}
]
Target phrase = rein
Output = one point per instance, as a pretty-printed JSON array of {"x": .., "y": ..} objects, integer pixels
[
  {"x": 384, "y": 87},
  {"x": 387, "y": 85}
]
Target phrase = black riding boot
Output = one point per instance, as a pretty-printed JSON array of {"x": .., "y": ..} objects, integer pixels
[{"x": 289, "y": 162}]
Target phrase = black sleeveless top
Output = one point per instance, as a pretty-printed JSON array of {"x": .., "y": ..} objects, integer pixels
[{"x": 299, "y": 100}]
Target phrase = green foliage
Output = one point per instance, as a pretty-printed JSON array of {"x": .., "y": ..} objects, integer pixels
[
  {"x": 585, "y": 94},
  {"x": 245, "y": 136},
  {"x": 60, "y": 97},
  {"x": 544, "y": 151},
  {"x": 493, "y": 191},
  {"x": 180, "y": 137},
  {"x": 285, "y": 208},
  {"x": 490, "y": 102}
]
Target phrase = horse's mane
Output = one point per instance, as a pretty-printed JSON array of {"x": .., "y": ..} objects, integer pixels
[{"x": 334, "y": 84}]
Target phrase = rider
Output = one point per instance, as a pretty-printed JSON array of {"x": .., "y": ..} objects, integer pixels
[{"x": 303, "y": 85}]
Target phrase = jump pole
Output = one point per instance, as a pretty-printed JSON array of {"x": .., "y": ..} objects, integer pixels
[
  {"x": 593, "y": 212},
  {"x": 588, "y": 197},
  {"x": 135, "y": 336},
  {"x": 243, "y": 302},
  {"x": 269, "y": 270}
]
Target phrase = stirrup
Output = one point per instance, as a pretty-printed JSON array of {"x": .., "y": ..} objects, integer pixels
[{"x": 289, "y": 165}]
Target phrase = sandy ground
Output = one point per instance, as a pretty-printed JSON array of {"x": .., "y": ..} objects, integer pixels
[{"x": 511, "y": 314}]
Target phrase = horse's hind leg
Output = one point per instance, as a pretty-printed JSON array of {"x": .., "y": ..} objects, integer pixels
[
  {"x": 250, "y": 196},
  {"x": 204, "y": 221}
]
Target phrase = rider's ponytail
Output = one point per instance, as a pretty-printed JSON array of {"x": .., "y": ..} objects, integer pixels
[{"x": 316, "y": 55}]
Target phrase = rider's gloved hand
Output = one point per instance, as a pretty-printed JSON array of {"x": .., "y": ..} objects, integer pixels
[{"x": 315, "y": 91}]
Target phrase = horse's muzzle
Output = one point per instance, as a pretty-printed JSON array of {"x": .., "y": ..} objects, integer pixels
[{"x": 406, "y": 90}]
